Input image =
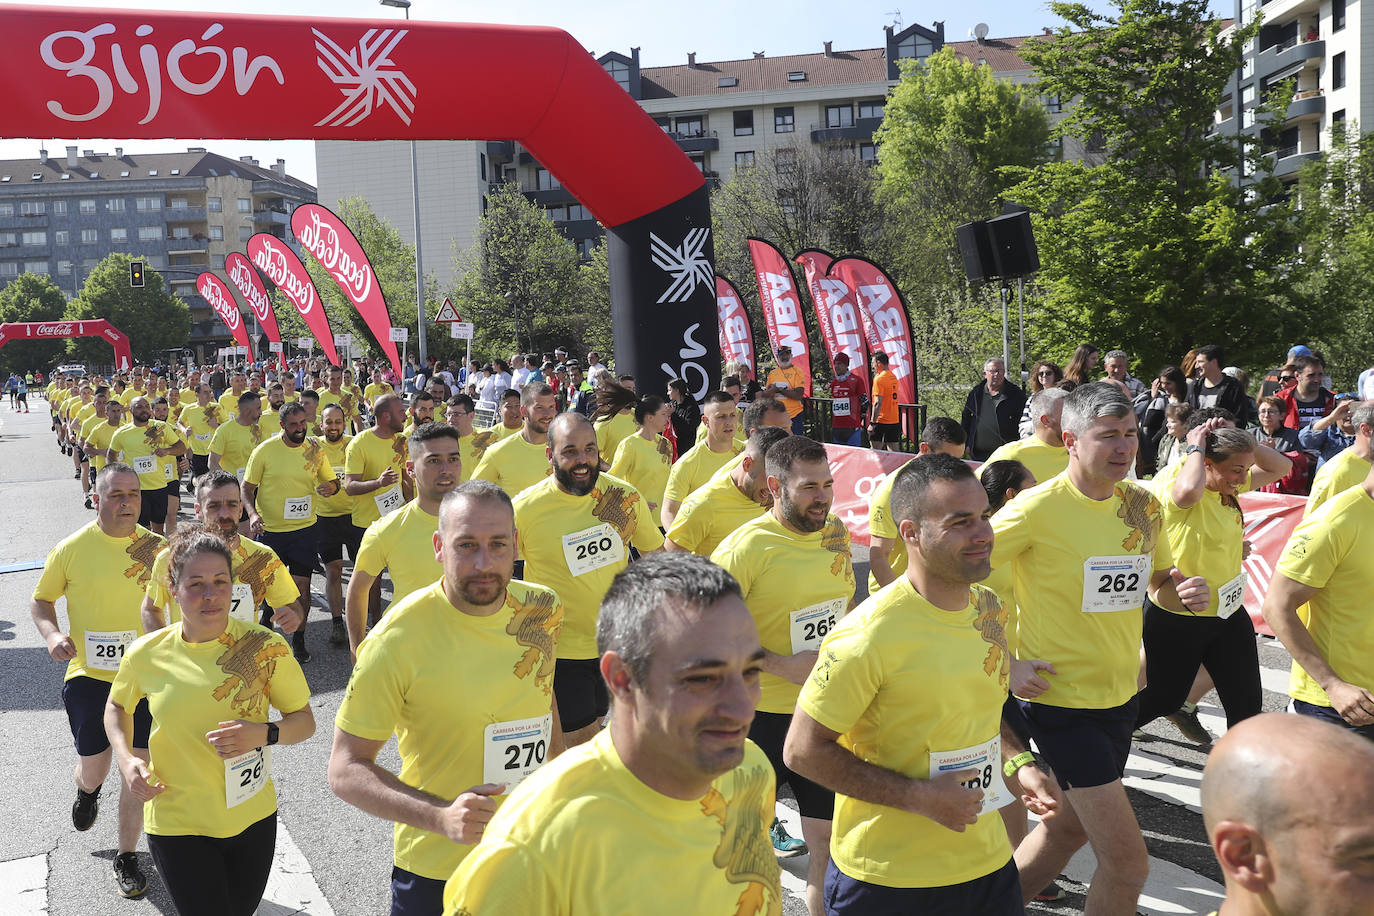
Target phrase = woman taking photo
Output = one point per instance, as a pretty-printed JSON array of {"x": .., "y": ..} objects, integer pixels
[
  {"x": 211, "y": 812},
  {"x": 645, "y": 457}
]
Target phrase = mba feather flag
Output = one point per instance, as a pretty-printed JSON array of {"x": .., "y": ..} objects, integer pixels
[
  {"x": 279, "y": 264},
  {"x": 213, "y": 291},
  {"x": 249, "y": 285},
  {"x": 837, "y": 313},
  {"x": 736, "y": 335},
  {"x": 883, "y": 314},
  {"x": 781, "y": 305}
]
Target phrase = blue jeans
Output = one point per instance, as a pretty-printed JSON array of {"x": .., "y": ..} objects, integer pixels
[{"x": 851, "y": 437}]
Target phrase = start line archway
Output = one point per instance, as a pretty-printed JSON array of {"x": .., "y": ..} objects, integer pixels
[
  {"x": 89, "y": 73},
  {"x": 56, "y": 330}
]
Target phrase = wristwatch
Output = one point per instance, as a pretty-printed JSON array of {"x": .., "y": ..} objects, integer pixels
[
  {"x": 273, "y": 733},
  {"x": 1011, "y": 766},
  {"x": 1190, "y": 449}
]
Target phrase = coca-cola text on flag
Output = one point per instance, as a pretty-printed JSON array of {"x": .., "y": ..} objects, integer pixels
[
  {"x": 279, "y": 264},
  {"x": 736, "y": 334},
  {"x": 91, "y": 327},
  {"x": 333, "y": 244},
  {"x": 884, "y": 318},
  {"x": 246, "y": 281},
  {"x": 837, "y": 314},
  {"x": 781, "y": 304},
  {"x": 213, "y": 291}
]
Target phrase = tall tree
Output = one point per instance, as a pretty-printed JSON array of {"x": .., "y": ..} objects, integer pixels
[
  {"x": 31, "y": 297},
  {"x": 154, "y": 320}
]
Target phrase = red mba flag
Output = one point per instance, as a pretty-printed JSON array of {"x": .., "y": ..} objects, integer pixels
[
  {"x": 213, "y": 291},
  {"x": 279, "y": 264},
  {"x": 781, "y": 305},
  {"x": 249, "y": 285},
  {"x": 736, "y": 335},
  {"x": 884, "y": 318},
  {"x": 836, "y": 312}
]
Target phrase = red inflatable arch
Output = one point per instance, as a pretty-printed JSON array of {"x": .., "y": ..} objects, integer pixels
[
  {"x": 139, "y": 75},
  {"x": 53, "y": 330}
]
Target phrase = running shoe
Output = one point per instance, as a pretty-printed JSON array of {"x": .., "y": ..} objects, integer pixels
[
  {"x": 298, "y": 647},
  {"x": 338, "y": 635},
  {"x": 1186, "y": 721},
  {"x": 89, "y": 504},
  {"x": 785, "y": 846},
  {"x": 85, "y": 808},
  {"x": 1053, "y": 891},
  {"x": 130, "y": 878}
]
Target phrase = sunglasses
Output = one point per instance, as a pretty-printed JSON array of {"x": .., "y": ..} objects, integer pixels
[
  {"x": 1287, "y": 378},
  {"x": 1046, "y": 373}
]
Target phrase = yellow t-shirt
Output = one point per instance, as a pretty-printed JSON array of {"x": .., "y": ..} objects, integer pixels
[
  {"x": 611, "y": 431},
  {"x": 576, "y": 545},
  {"x": 881, "y": 524},
  {"x": 196, "y": 419},
  {"x": 794, "y": 378},
  {"x": 347, "y": 401},
  {"x": 1206, "y": 540},
  {"x": 234, "y": 443},
  {"x": 123, "y": 397},
  {"x": 83, "y": 413},
  {"x": 191, "y": 688},
  {"x": 255, "y": 565},
  {"x": 97, "y": 433},
  {"x": 469, "y": 454},
  {"x": 406, "y": 682},
  {"x": 286, "y": 479},
  {"x": 229, "y": 405},
  {"x": 709, "y": 515},
  {"x": 1065, "y": 549},
  {"x": 1043, "y": 460},
  {"x": 559, "y": 844},
  {"x": 368, "y": 456},
  {"x": 340, "y": 503},
  {"x": 1333, "y": 550},
  {"x": 103, "y": 579},
  {"x": 899, "y": 679},
  {"x": 741, "y": 434},
  {"x": 187, "y": 397},
  {"x": 373, "y": 391},
  {"x": 498, "y": 432},
  {"x": 696, "y": 467},
  {"x": 514, "y": 464},
  {"x": 797, "y": 587},
  {"x": 136, "y": 444},
  {"x": 403, "y": 542},
  {"x": 1345, "y": 470},
  {"x": 270, "y": 421},
  {"x": 645, "y": 464}
]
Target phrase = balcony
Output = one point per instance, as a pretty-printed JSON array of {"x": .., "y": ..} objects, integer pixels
[
  {"x": 503, "y": 150},
  {"x": 1226, "y": 128},
  {"x": 578, "y": 228},
  {"x": 271, "y": 217},
  {"x": 187, "y": 244},
  {"x": 546, "y": 196},
  {"x": 185, "y": 214},
  {"x": 861, "y": 129},
  {"x": 695, "y": 141},
  {"x": 1288, "y": 160},
  {"x": 1307, "y": 103},
  {"x": 1287, "y": 53}
]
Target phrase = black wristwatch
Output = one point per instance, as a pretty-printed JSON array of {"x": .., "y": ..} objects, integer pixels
[{"x": 273, "y": 733}]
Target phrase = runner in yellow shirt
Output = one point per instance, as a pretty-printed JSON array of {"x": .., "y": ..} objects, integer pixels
[
  {"x": 457, "y": 759},
  {"x": 788, "y": 384},
  {"x": 211, "y": 802},
  {"x": 578, "y": 526},
  {"x": 198, "y": 423},
  {"x": 644, "y": 458},
  {"x": 377, "y": 387},
  {"x": 902, "y": 718},
  {"x": 459, "y": 412},
  {"x": 97, "y": 433},
  {"x": 335, "y": 520},
  {"x": 614, "y": 417},
  {"x": 510, "y": 415},
  {"x": 145, "y": 445},
  {"x": 271, "y": 416},
  {"x": 420, "y": 412},
  {"x": 1317, "y": 604},
  {"x": 101, "y": 570},
  {"x": 672, "y": 785},
  {"x": 727, "y": 501},
  {"x": 522, "y": 460},
  {"x": 258, "y": 575},
  {"x": 1086, "y": 548},
  {"x": 375, "y": 461},
  {"x": 234, "y": 440},
  {"x": 402, "y": 542},
  {"x": 338, "y": 393},
  {"x": 91, "y": 461},
  {"x": 229, "y": 401},
  {"x": 173, "y": 466},
  {"x": 1347, "y": 468},
  {"x": 288, "y": 384},
  {"x": 796, "y": 574},
  {"x": 285, "y": 474},
  {"x": 1043, "y": 452},
  {"x": 701, "y": 462},
  {"x": 74, "y": 414}
]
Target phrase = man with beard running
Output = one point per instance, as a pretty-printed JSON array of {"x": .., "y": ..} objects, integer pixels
[
  {"x": 284, "y": 476},
  {"x": 402, "y": 542},
  {"x": 727, "y": 501},
  {"x": 374, "y": 472},
  {"x": 579, "y": 525},
  {"x": 144, "y": 445},
  {"x": 521, "y": 459},
  {"x": 234, "y": 440},
  {"x": 794, "y": 568},
  {"x": 335, "y": 519}
]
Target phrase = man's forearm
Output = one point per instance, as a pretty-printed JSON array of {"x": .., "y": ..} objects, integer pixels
[
  {"x": 376, "y": 790},
  {"x": 828, "y": 764}
]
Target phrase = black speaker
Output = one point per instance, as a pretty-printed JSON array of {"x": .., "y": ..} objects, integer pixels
[
  {"x": 976, "y": 248},
  {"x": 1013, "y": 245}
]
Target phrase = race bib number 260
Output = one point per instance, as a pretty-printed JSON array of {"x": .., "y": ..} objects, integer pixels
[{"x": 592, "y": 548}]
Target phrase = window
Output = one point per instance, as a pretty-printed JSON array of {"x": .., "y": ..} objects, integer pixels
[
  {"x": 87, "y": 206},
  {"x": 1337, "y": 123},
  {"x": 34, "y": 238},
  {"x": 36, "y": 267},
  {"x": 689, "y": 127},
  {"x": 245, "y": 205},
  {"x": 839, "y": 116},
  {"x": 216, "y": 233},
  {"x": 577, "y": 211},
  {"x": 245, "y": 233},
  {"x": 32, "y": 208},
  {"x": 915, "y": 47},
  {"x": 149, "y": 233},
  {"x": 9, "y": 268},
  {"x": 119, "y": 236},
  {"x": 6, "y": 209},
  {"x": 870, "y": 109},
  {"x": 115, "y": 205},
  {"x": 665, "y": 123},
  {"x": 744, "y": 123},
  {"x": 785, "y": 160},
  {"x": 553, "y": 213},
  {"x": 214, "y": 204},
  {"x": 64, "y": 268},
  {"x": 1097, "y": 142},
  {"x": 787, "y": 202},
  {"x": 178, "y": 203},
  {"x": 90, "y": 236},
  {"x": 620, "y": 72},
  {"x": 784, "y": 120},
  {"x": 1337, "y": 15},
  {"x": 59, "y": 208},
  {"x": 181, "y": 232},
  {"x": 9, "y": 240},
  {"x": 1247, "y": 105},
  {"x": 217, "y": 261},
  {"x": 147, "y": 203},
  {"x": 796, "y": 76},
  {"x": 1338, "y": 71},
  {"x": 868, "y": 152},
  {"x": 744, "y": 159},
  {"x": 545, "y": 181},
  {"x": 727, "y": 82},
  {"x": 482, "y": 166},
  {"x": 1053, "y": 104}
]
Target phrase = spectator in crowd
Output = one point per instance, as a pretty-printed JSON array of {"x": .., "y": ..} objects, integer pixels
[
  {"x": 745, "y": 373},
  {"x": 1116, "y": 367},
  {"x": 686, "y": 413},
  {"x": 1209, "y": 386},
  {"x": 1307, "y": 401},
  {"x": 847, "y": 394},
  {"x": 1364, "y": 387},
  {"x": 1173, "y": 442},
  {"x": 787, "y": 383},
  {"x": 1330, "y": 435},
  {"x": 595, "y": 369},
  {"x": 1270, "y": 430},
  {"x": 519, "y": 372},
  {"x": 580, "y": 393},
  {"x": 1082, "y": 364},
  {"x": 494, "y": 386},
  {"x": 1044, "y": 374},
  {"x": 537, "y": 370},
  {"x": 1249, "y": 416},
  {"x": 991, "y": 411}
]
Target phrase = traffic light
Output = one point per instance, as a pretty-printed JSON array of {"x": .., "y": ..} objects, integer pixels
[{"x": 136, "y": 274}]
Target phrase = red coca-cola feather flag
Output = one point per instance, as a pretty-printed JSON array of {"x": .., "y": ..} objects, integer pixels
[
  {"x": 279, "y": 264},
  {"x": 213, "y": 291},
  {"x": 782, "y": 311},
  {"x": 249, "y": 285},
  {"x": 837, "y": 313},
  {"x": 884, "y": 318},
  {"x": 333, "y": 244},
  {"x": 736, "y": 334}
]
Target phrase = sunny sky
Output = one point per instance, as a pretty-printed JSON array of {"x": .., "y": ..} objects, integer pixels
[{"x": 714, "y": 29}]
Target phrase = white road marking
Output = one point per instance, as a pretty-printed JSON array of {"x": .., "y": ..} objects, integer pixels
[
  {"x": 25, "y": 886},
  {"x": 291, "y": 888}
]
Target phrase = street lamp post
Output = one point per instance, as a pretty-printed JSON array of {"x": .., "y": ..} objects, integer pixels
[{"x": 415, "y": 195}]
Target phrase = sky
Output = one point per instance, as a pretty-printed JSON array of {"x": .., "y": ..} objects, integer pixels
[{"x": 714, "y": 29}]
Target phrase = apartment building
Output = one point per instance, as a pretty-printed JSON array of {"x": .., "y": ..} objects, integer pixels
[
  {"x": 181, "y": 213},
  {"x": 723, "y": 115}
]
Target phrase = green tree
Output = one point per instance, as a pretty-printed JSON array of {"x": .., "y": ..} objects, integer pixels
[
  {"x": 154, "y": 320},
  {"x": 31, "y": 297},
  {"x": 1156, "y": 249}
]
